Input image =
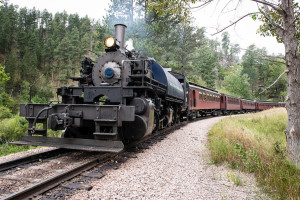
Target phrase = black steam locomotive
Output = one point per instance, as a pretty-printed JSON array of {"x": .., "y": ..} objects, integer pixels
[{"x": 120, "y": 98}]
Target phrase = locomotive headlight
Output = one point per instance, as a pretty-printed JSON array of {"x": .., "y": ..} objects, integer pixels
[{"x": 110, "y": 42}]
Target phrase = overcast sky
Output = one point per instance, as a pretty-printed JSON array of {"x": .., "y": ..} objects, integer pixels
[{"x": 244, "y": 33}]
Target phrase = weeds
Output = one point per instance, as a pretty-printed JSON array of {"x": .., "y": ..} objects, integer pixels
[
  {"x": 236, "y": 179},
  {"x": 256, "y": 143}
]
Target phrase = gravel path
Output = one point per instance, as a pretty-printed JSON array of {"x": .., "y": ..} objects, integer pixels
[{"x": 175, "y": 168}]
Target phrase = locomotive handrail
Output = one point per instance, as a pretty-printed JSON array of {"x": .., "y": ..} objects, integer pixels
[
  {"x": 37, "y": 116},
  {"x": 151, "y": 79}
]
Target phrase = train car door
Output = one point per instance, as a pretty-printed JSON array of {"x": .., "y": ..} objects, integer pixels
[
  {"x": 241, "y": 105},
  {"x": 223, "y": 102},
  {"x": 191, "y": 98},
  {"x": 194, "y": 98}
]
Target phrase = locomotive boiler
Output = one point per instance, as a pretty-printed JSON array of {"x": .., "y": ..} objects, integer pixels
[{"x": 120, "y": 97}]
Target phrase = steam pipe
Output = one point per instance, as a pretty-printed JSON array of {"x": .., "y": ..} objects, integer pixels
[{"x": 120, "y": 30}]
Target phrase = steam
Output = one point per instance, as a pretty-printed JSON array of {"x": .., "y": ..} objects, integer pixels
[{"x": 129, "y": 44}]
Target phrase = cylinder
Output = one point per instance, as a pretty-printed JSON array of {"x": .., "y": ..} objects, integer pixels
[
  {"x": 141, "y": 126},
  {"x": 120, "y": 30}
]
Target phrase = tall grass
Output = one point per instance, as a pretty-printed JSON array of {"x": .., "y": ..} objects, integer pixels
[{"x": 256, "y": 143}]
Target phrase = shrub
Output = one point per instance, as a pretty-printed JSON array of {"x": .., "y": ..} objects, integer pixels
[
  {"x": 6, "y": 100},
  {"x": 12, "y": 129},
  {"x": 4, "y": 112}
]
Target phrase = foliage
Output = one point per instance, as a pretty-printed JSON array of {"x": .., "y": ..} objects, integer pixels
[
  {"x": 12, "y": 129},
  {"x": 177, "y": 9},
  {"x": 236, "y": 84},
  {"x": 270, "y": 15},
  {"x": 250, "y": 63},
  {"x": 6, "y": 100},
  {"x": 256, "y": 143},
  {"x": 229, "y": 52},
  {"x": 43, "y": 96},
  {"x": 7, "y": 148},
  {"x": 262, "y": 72},
  {"x": 196, "y": 79},
  {"x": 5, "y": 112},
  {"x": 3, "y": 76},
  {"x": 36, "y": 43}
]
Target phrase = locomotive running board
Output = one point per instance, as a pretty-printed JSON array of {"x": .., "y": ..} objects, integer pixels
[{"x": 72, "y": 143}]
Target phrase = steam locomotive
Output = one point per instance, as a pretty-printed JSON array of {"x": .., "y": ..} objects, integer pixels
[{"x": 120, "y": 98}]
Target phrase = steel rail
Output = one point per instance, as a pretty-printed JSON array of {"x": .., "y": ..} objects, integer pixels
[
  {"x": 29, "y": 159},
  {"x": 54, "y": 181}
]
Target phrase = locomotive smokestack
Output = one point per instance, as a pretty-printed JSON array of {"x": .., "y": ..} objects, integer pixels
[{"x": 120, "y": 30}]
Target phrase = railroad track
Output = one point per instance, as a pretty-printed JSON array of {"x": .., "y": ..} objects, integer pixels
[
  {"x": 54, "y": 181},
  {"x": 31, "y": 158},
  {"x": 35, "y": 190}
]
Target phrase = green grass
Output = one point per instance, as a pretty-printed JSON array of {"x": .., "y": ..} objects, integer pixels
[
  {"x": 256, "y": 143},
  {"x": 6, "y": 149}
]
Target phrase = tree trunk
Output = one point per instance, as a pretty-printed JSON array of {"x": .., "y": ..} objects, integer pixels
[
  {"x": 182, "y": 66},
  {"x": 58, "y": 78},
  {"x": 292, "y": 57},
  {"x": 52, "y": 75}
]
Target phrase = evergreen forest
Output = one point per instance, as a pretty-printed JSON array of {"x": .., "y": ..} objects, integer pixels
[{"x": 39, "y": 51}]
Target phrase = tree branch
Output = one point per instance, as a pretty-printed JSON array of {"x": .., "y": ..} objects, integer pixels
[
  {"x": 274, "y": 6},
  {"x": 234, "y": 22},
  {"x": 279, "y": 28},
  {"x": 202, "y": 5},
  {"x": 296, "y": 17},
  {"x": 255, "y": 51},
  {"x": 286, "y": 71},
  {"x": 274, "y": 61}
]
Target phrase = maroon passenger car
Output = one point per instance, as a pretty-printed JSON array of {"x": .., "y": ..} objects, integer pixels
[
  {"x": 203, "y": 100},
  {"x": 247, "y": 105},
  {"x": 230, "y": 104}
]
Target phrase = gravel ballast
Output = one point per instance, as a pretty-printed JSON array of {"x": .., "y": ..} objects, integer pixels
[{"x": 178, "y": 167}]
